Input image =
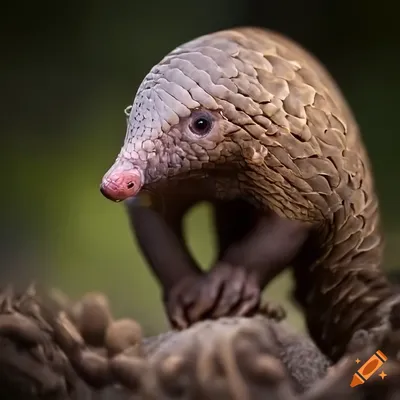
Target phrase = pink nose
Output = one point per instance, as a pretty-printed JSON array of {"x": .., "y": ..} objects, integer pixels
[{"x": 120, "y": 185}]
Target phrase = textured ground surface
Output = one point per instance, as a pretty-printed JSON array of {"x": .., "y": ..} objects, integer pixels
[{"x": 77, "y": 351}]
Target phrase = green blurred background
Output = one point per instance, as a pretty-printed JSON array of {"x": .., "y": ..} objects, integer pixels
[{"x": 68, "y": 70}]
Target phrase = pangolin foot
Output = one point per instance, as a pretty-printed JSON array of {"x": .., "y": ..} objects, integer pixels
[{"x": 224, "y": 291}]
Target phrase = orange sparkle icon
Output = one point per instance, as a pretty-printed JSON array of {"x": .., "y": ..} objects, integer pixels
[
  {"x": 382, "y": 374},
  {"x": 369, "y": 368}
]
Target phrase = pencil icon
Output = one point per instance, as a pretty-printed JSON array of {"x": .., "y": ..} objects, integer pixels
[{"x": 368, "y": 369}]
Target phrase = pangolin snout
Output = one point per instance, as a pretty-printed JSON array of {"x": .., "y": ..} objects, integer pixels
[{"x": 119, "y": 184}]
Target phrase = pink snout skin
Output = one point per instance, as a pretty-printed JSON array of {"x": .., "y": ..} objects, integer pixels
[{"x": 120, "y": 185}]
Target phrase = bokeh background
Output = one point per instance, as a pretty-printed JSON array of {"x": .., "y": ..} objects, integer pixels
[{"x": 68, "y": 70}]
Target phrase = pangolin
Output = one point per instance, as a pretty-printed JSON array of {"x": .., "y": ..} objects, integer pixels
[{"x": 247, "y": 114}]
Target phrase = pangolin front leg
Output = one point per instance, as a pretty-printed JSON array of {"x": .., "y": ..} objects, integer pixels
[
  {"x": 249, "y": 262},
  {"x": 189, "y": 294}
]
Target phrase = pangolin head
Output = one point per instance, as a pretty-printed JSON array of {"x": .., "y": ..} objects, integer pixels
[{"x": 188, "y": 113}]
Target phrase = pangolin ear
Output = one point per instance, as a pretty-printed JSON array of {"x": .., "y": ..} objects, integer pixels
[{"x": 254, "y": 154}]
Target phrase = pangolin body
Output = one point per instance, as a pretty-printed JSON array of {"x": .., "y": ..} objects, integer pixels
[{"x": 247, "y": 113}]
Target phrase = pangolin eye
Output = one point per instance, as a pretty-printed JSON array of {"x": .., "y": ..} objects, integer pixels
[{"x": 201, "y": 124}]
